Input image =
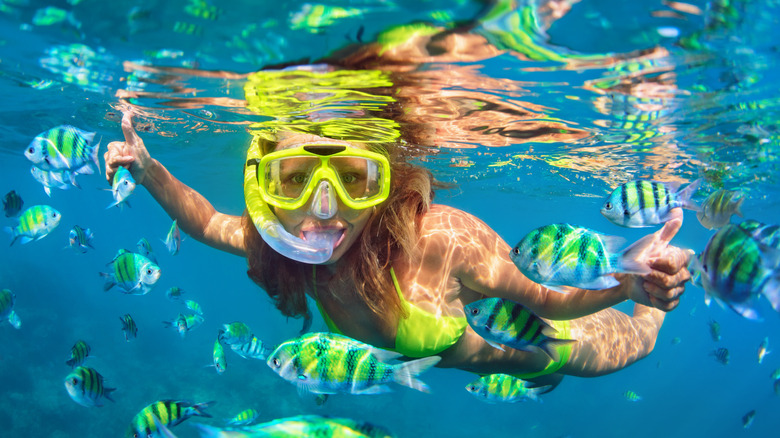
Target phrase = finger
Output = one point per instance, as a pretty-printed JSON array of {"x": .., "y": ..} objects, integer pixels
[
  {"x": 674, "y": 260},
  {"x": 131, "y": 137},
  {"x": 666, "y": 306},
  {"x": 671, "y": 227},
  {"x": 661, "y": 293}
]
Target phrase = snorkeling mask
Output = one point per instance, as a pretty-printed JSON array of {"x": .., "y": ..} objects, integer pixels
[{"x": 287, "y": 179}]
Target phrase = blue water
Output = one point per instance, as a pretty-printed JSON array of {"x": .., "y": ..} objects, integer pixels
[{"x": 717, "y": 121}]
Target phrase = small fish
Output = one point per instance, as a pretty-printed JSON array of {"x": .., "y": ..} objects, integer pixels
[
  {"x": 78, "y": 354},
  {"x": 302, "y": 426},
  {"x": 194, "y": 306},
  {"x": 676, "y": 340},
  {"x": 254, "y": 349},
  {"x": 12, "y": 204},
  {"x": 85, "y": 387},
  {"x": 7, "y": 301},
  {"x": 564, "y": 255},
  {"x": 145, "y": 249},
  {"x": 503, "y": 388},
  {"x": 763, "y": 350},
  {"x": 64, "y": 148},
  {"x": 645, "y": 203},
  {"x": 235, "y": 333},
  {"x": 243, "y": 418},
  {"x": 714, "y": 330},
  {"x": 717, "y": 209},
  {"x": 173, "y": 239},
  {"x": 35, "y": 223},
  {"x": 133, "y": 273},
  {"x": 747, "y": 419},
  {"x": 220, "y": 361},
  {"x": 737, "y": 270},
  {"x": 501, "y": 321},
  {"x": 184, "y": 323},
  {"x": 80, "y": 239},
  {"x": 768, "y": 235},
  {"x": 168, "y": 412},
  {"x": 631, "y": 396},
  {"x": 122, "y": 187},
  {"x": 722, "y": 355},
  {"x": 128, "y": 326},
  {"x": 174, "y": 293},
  {"x": 327, "y": 363},
  {"x": 51, "y": 179}
]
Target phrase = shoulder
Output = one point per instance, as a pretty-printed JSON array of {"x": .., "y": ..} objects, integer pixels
[{"x": 446, "y": 219}]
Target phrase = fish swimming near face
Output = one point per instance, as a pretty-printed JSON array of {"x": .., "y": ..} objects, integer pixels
[
  {"x": 504, "y": 388},
  {"x": 717, "y": 209},
  {"x": 647, "y": 203},
  {"x": 85, "y": 386},
  {"x": 133, "y": 273},
  {"x": 64, "y": 148},
  {"x": 565, "y": 255},
  {"x": 327, "y": 363},
  {"x": 35, "y": 223}
]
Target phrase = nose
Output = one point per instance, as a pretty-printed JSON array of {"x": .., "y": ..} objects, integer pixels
[{"x": 324, "y": 205}]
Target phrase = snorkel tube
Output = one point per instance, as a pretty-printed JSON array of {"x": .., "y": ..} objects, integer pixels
[{"x": 268, "y": 225}]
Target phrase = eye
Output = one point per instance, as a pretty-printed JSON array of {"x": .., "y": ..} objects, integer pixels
[
  {"x": 54, "y": 215},
  {"x": 30, "y": 149},
  {"x": 475, "y": 311},
  {"x": 74, "y": 381},
  {"x": 349, "y": 178},
  {"x": 126, "y": 182},
  {"x": 149, "y": 271},
  {"x": 276, "y": 362},
  {"x": 608, "y": 206},
  {"x": 516, "y": 250},
  {"x": 298, "y": 178}
]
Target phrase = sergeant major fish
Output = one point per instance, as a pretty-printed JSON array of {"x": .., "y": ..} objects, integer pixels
[
  {"x": 7, "y": 300},
  {"x": 220, "y": 361},
  {"x": 85, "y": 387},
  {"x": 78, "y": 354},
  {"x": 302, "y": 426},
  {"x": 173, "y": 239},
  {"x": 645, "y": 203},
  {"x": 504, "y": 388},
  {"x": 768, "y": 235},
  {"x": 253, "y": 349},
  {"x": 35, "y": 223},
  {"x": 145, "y": 249},
  {"x": 64, "y": 148},
  {"x": 565, "y": 255},
  {"x": 12, "y": 204},
  {"x": 243, "y": 418},
  {"x": 122, "y": 187},
  {"x": 235, "y": 333},
  {"x": 133, "y": 273},
  {"x": 168, "y": 412},
  {"x": 51, "y": 179},
  {"x": 184, "y": 323},
  {"x": 80, "y": 239},
  {"x": 129, "y": 327},
  {"x": 717, "y": 209}
]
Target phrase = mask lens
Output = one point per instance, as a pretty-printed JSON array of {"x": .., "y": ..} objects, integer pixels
[
  {"x": 287, "y": 178},
  {"x": 359, "y": 177}
]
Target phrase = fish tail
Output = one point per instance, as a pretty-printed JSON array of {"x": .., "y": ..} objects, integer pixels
[
  {"x": 629, "y": 260},
  {"x": 772, "y": 291},
  {"x": 13, "y": 234},
  {"x": 684, "y": 196},
  {"x": 107, "y": 393},
  {"x": 93, "y": 155},
  {"x": 197, "y": 409},
  {"x": 738, "y": 207},
  {"x": 406, "y": 373},
  {"x": 533, "y": 393},
  {"x": 551, "y": 346},
  {"x": 71, "y": 362},
  {"x": 109, "y": 281}
]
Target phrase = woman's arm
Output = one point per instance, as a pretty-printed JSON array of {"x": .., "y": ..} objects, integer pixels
[{"x": 195, "y": 215}]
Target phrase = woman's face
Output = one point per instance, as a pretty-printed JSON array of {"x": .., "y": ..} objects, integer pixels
[{"x": 347, "y": 223}]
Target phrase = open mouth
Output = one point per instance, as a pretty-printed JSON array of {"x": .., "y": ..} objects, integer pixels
[{"x": 324, "y": 237}]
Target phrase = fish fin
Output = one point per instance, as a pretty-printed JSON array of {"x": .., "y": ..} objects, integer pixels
[
  {"x": 198, "y": 408},
  {"x": 600, "y": 283},
  {"x": 86, "y": 169},
  {"x": 16, "y": 323},
  {"x": 376, "y": 389},
  {"x": 771, "y": 291},
  {"x": 534, "y": 392},
  {"x": 13, "y": 234},
  {"x": 107, "y": 393},
  {"x": 747, "y": 310},
  {"x": 320, "y": 399},
  {"x": 630, "y": 260},
  {"x": 406, "y": 373},
  {"x": 495, "y": 345},
  {"x": 163, "y": 429},
  {"x": 684, "y": 196},
  {"x": 26, "y": 239},
  {"x": 384, "y": 355},
  {"x": 550, "y": 346},
  {"x": 115, "y": 203},
  {"x": 561, "y": 288},
  {"x": 70, "y": 362},
  {"x": 47, "y": 191},
  {"x": 94, "y": 155},
  {"x": 738, "y": 206}
]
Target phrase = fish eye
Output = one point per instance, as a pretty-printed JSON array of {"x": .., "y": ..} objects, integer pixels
[
  {"x": 475, "y": 311},
  {"x": 30, "y": 149},
  {"x": 608, "y": 206},
  {"x": 276, "y": 362},
  {"x": 54, "y": 215},
  {"x": 704, "y": 268},
  {"x": 149, "y": 271},
  {"x": 516, "y": 250},
  {"x": 472, "y": 388},
  {"x": 74, "y": 381}
]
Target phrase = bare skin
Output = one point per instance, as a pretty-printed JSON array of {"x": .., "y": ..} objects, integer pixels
[{"x": 459, "y": 260}]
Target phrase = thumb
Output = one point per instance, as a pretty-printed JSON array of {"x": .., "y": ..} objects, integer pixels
[
  {"x": 671, "y": 227},
  {"x": 131, "y": 137}
]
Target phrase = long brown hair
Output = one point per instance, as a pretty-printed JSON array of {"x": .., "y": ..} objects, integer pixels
[{"x": 390, "y": 233}]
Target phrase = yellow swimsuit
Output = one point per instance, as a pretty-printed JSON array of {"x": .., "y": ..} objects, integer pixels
[{"x": 423, "y": 334}]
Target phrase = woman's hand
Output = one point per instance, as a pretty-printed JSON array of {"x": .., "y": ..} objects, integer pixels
[
  {"x": 664, "y": 285},
  {"x": 130, "y": 153}
]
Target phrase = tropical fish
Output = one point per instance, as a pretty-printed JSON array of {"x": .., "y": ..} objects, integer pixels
[
  {"x": 676, "y": 340},
  {"x": 133, "y": 273},
  {"x": 122, "y": 187},
  {"x": 243, "y": 418},
  {"x": 52, "y": 179},
  {"x": 7, "y": 300},
  {"x": 173, "y": 239},
  {"x": 503, "y": 388},
  {"x": 145, "y": 249},
  {"x": 128, "y": 326},
  {"x": 12, "y": 204},
  {"x": 85, "y": 387},
  {"x": 301, "y": 426},
  {"x": 722, "y": 355},
  {"x": 714, "y": 330},
  {"x": 64, "y": 148},
  {"x": 747, "y": 419},
  {"x": 184, "y": 323},
  {"x": 763, "y": 349},
  {"x": 220, "y": 361},
  {"x": 254, "y": 349},
  {"x": 78, "y": 354},
  {"x": 194, "y": 306},
  {"x": 168, "y": 412},
  {"x": 564, "y": 255},
  {"x": 174, "y": 293},
  {"x": 328, "y": 363},
  {"x": 235, "y": 333},
  {"x": 646, "y": 203},
  {"x": 776, "y": 374},
  {"x": 80, "y": 239},
  {"x": 717, "y": 209},
  {"x": 631, "y": 396},
  {"x": 768, "y": 235},
  {"x": 737, "y": 270},
  {"x": 35, "y": 223},
  {"x": 501, "y": 321}
]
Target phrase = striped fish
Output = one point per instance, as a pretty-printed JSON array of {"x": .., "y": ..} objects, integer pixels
[
  {"x": 646, "y": 203},
  {"x": 737, "y": 270},
  {"x": 174, "y": 293},
  {"x": 54, "y": 179},
  {"x": 717, "y": 209},
  {"x": 631, "y": 396},
  {"x": 194, "y": 306},
  {"x": 173, "y": 239},
  {"x": 168, "y": 412},
  {"x": 235, "y": 333},
  {"x": 122, "y": 187},
  {"x": 500, "y": 321},
  {"x": 328, "y": 363},
  {"x": 302, "y": 426},
  {"x": 220, "y": 361},
  {"x": 80, "y": 239},
  {"x": 85, "y": 387},
  {"x": 128, "y": 326},
  {"x": 133, "y": 273},
  {"x": 35, "y": 223},
  {"x": 7, "y": 300},
  {"x": 565, "y": 255},
  {"x": 78, "y": 354},
  {"x": 768, "y": 235},
  {"x": 254, "y": 349},
  {"x": 12, "y": 204},
  {"x": 721, "y": 354},
  {"x": 243, "y": 418},
  {"x": 503, "y": 388},
  {"x": 145, "y": 249},
  {"x": 64, "y": 148},
  {"x": 184, "y": 323}
]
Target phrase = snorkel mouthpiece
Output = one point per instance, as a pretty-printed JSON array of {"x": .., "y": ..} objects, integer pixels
[{"x": 324, "y": 204}]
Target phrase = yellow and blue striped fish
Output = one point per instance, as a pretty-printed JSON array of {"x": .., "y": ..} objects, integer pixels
[
  {"x": 328, "y": 363},
  {"x": 35, "y": 223},
  {"x": 647, "y": 203},
  {"x": 500, "y": 321},
  {"x": 184, "y": 323},
  {"x": 168, "y": 412},
  {"x": 768, "y": 235},
  {"x": 631, "y": 396},
  {"x": 12, "y": 204},
  {"x": 235, "y": 333},
  {"x": 122, "y": 187},
  {"x": 78, "y": 353},
  {"x": 722, "y": 355},
  {"x": 717, "y": 209},
  {"x": 54, "y": 179},
  {"x": 194, "y": 306},
  {"x": 220, "y": 361},
  {"x": 133, "y": 273},
  {"x": 243, "y": 418},
  {"x": 504, "y": 388},
  {"x": 85, "y": 387},
  {"x": 128, "y": 326},
  {"x": 303, "y": 426},
  {"x": 254, "y": 349},
  {"x": 7, "y": 300},
  {"x": 80, "y": 239},
  {"x": 64, "y": 148}
]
